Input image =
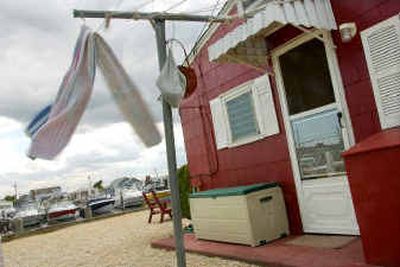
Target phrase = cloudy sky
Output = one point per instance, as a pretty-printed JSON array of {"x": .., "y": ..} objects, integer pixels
[{"x": 36, "y": 43}]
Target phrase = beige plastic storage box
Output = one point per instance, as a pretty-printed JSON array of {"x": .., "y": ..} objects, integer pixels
[{"x": 251, "y": 215}]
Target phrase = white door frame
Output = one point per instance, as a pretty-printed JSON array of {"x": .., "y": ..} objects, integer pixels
[{"x": 340, "y": 101}]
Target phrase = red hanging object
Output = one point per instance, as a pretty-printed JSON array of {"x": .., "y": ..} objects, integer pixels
[
  {"x": 187, "y": 71},
  {"x": 191, "y": 79}
]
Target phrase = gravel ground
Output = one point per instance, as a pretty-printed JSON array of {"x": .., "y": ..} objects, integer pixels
[{"x": 118, "y": 241}]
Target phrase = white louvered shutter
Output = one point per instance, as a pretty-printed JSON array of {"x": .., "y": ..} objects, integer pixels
[
  {"x": 264, "y": 106},
  {"x": 382, "y": 50},
  {"x": 220, "y": 123}
]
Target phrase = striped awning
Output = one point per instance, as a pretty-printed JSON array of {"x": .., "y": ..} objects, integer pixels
[{"x": 245, "y": 44}]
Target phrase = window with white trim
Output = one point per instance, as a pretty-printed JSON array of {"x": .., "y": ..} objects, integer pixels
[
  {"x": 244, "y": 114},
  {"x": 381, "y": 44},
  {"x": 241, "y": 116}
]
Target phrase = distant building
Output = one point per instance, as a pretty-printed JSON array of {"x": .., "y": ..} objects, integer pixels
[
  {"x": 42, "y": 193},
  {"x": 25, "y": 198},
  {"x": 81, "y": 195},
  {"x": 160, "y": 182}
]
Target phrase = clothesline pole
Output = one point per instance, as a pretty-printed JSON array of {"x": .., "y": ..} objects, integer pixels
[
  {"x": 159, "y": 27},
  {"x": 148, "y": 16},
  {"x": 158, "y": 20}
]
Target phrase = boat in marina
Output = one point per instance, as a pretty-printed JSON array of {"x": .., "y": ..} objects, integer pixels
[
  {"x": 128, "y": 197},
  {"x": 7, "y": 209},
  {"x": 101, "y": 205},
  {"x": 31, "y": 214},
  {"x": 62, "y": 211},
  {"x": 127, "y": 192}
]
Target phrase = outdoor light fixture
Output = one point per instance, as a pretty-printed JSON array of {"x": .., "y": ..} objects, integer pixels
[{"x": 347, "y": 31}]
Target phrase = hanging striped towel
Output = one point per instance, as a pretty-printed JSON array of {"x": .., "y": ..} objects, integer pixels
[
  {"x": 52, "y": 128},
  {"x": 38, "y": 121},
  {"x": 72, "y": 98}
]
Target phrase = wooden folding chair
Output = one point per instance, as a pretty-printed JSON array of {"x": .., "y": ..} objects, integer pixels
[{"x": 156, "y": 206}]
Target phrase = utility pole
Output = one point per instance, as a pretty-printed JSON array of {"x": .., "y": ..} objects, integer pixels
[
  {"x": 158, "y": 21},
  {"x": 89, "y": 186},
  {"x": 15, "y": 190},
  {"x": 159, "y": 27}
]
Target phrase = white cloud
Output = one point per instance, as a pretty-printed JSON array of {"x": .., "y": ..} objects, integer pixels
[
  {"x": 36, "y": 42},
  {"x": 103, "y": 152}
]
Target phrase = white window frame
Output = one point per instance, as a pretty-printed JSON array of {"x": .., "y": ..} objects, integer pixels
[
  {"x": 232, "y": 94},
  {"x": 270, "y": 125}
]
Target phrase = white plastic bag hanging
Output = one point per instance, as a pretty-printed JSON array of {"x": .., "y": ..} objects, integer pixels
[{"x": 171, "y": 81}]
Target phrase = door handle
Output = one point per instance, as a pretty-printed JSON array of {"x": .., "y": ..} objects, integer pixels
[{"x": 339, "y": 117}]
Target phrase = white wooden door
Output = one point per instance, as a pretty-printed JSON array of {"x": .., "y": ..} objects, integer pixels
[{"x": 317, "y": 135}]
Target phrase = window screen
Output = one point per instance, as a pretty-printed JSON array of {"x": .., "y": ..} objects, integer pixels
[
  {"x": 306, "y": 77},
  {"x": 242, "y": 119}
]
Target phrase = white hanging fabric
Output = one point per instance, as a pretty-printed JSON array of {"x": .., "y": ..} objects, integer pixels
[
  {"x": 51, "y": 135},
  {"x": 126, "y": 94},
  {"x": 171, "y": 81}
]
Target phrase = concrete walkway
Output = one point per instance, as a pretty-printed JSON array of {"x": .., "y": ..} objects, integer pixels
[{"x": 275, "y": 254}]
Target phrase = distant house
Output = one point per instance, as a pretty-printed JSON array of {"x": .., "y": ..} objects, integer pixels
[
  {"x": 282, "y": 94},
  {"x": 81, "y": 195},
  {"x": 159, "y": 182},
  {"x": 41, "y": 193}
]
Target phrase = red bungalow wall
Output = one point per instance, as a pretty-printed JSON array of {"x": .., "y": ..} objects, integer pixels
[{"x": 268, "y": 159}]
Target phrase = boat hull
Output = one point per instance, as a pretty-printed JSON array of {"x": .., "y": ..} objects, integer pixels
[
  {"x": 32, "y": 220},
  {"x": 62, "y": 215},
  {"x": 101, "y": 206},
  {"x": 129, "y": 202},
  {"x": 129, "y": 199}
]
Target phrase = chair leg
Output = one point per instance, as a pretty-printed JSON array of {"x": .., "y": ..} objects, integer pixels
[
  {"x": 162, "y": 218},
  {"x": 150, "y": 217}
]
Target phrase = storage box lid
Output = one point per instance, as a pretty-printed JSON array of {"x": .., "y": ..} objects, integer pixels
[
  {"x": 386, "y": 139},
  {"x": 233, "y": 191}
]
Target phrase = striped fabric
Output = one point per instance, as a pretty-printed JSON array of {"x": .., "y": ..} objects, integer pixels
[
  {"x": 38, "y": 121},
  {"x": 52, "y": 128},
  {"x": 73, "y": 95}
]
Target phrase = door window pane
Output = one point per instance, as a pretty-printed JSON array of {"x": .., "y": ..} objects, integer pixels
[
  {"x": 241, "y": 116},
  {"x": 306, "y": 77},
  {"x": 319, "y": 144}
]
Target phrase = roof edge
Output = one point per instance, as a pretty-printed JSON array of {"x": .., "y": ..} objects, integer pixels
[{"x": 211, "y": 29}]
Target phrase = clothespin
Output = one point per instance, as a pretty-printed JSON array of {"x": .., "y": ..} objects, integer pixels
[
  {"x": 107, "y": 19},
  {"x": 135, "y": 16},
  {"x": 82, "y": 17}
]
